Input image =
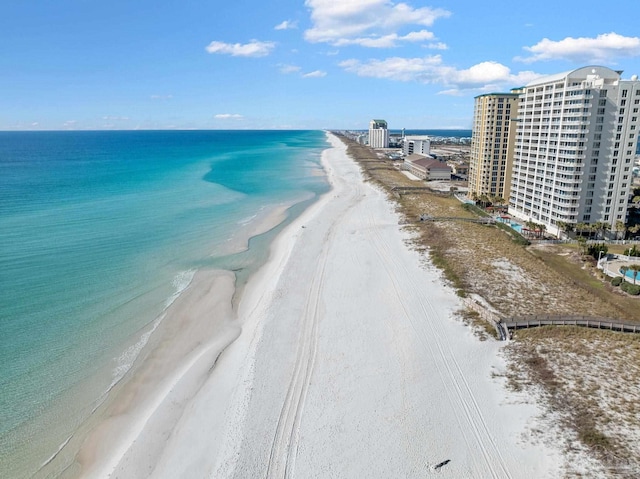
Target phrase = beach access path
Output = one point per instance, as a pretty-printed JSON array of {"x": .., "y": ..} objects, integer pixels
[{"x": 352, "y": 363}]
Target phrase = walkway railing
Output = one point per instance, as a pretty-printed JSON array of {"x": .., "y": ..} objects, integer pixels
[{"x": 509, "y": 325}]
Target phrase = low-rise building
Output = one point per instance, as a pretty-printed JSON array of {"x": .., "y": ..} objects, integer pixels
[{"x": 427, "y": 168}]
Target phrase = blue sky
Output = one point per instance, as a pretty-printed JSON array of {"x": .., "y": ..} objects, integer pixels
[{"x": 246, "y": 64}]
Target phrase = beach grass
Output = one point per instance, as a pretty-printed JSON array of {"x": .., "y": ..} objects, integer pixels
[{"x": 583, "y": 375}]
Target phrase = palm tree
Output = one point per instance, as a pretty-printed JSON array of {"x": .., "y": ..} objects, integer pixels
[
  {"x": 621, "y": 227},
  {"x": 541, "y": 229},
  {"x": 636, "y": 269},
  {"x": 597, "y": 227},
  {"x": 623, "y": 270},
  {"x": 604, "y": 228},
  {"x": 531, "y": 226},
  {"x": 580, "y": 227},
  {"x": 583, "y": 244},
  {"x": 565, "y": 227}
]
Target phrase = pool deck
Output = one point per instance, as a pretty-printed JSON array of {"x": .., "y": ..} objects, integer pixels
[{"x": 611, "y": 267}]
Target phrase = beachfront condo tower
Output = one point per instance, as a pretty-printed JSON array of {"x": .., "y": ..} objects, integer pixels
[
  {"x": 492, "y": 145},
  {"x": 574, "y": 149},
  {"x": 378, "y": 134}
]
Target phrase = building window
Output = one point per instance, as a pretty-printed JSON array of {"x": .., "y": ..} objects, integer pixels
[{"x": 624, "y": 93}]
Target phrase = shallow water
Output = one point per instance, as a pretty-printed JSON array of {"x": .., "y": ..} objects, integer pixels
[{"x": 99, "y": 233}]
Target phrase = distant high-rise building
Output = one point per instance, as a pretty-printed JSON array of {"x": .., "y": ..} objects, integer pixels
[
  {"x": 378, "y": 134},
  {"x": 492, "y": 144},
  {"x": 575, "y": 144}
]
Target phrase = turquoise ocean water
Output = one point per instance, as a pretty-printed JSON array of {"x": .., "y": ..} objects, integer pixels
[{"x": 99, "y": 232}]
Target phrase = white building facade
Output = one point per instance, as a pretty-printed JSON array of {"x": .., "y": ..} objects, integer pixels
[
  {"x": 416, "y": 144},
  {"x": 378, "y": 134},
  {"x": 574, "y": 148}
]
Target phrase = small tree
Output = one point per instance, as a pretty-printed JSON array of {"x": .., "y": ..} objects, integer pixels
[
  {"x": 541, "y": 229},
  {"x": 633, "y": 251},
  {"x": 582, "y": 242},
  {"x": 597, "y": 250},
  {"x": 623, "y": 270},
  {"x": 621, "y": 229},
  {"x": 636, "y": 270},
  {"x": 580, "y": 227}
]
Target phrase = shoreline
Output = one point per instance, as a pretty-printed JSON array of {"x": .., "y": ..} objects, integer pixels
[
  {"x": 155, "y": 382},
  {"x": 349, "y": 361}
]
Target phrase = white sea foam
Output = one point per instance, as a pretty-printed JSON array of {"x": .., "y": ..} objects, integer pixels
[
  {"x": 246, "y": 221},
  {"x": 125, "y": 361},
  {"x": 60, "y": 448},
  {"x": 180, "y": 282}
]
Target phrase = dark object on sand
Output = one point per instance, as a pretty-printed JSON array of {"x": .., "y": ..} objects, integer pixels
[{"x": 443, "y": 463}]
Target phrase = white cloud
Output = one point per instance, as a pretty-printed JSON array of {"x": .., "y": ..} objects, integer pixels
[
  {"x": 254, "y": 48},
  {"x": 286, "y": 25},
  {"x": 437, "y": 46},
  {"x": 228, "y": 116},
  {"x": 370, "y": 23},
  {"x": 481, "y": 77},
  {"x": 599, "y": 49},
  {"x": 385, "y": 41},
  {"x": 286, "y": 69},
  {"x": 115, "y": 118},
  {"x": 161, "y": 97},
  {"x": 315, "y": 74}
]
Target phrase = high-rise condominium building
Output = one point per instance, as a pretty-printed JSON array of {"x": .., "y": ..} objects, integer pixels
[
  {"x": 492, "y": 144},
  {"x": 378, "y": 134},
  {"x": 574, "y": 149}
]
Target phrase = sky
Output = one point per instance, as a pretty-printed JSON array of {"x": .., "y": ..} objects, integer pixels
[{"x": 290, "y": 64}]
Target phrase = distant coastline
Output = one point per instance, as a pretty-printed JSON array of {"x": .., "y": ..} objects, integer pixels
[{"x": 442, "y": 133}]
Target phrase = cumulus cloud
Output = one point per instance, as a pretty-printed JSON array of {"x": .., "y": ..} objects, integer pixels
[
  {"x": 368, "y": 23},
  {"x": 315, "y": 74},
  {"x": 286, "y": 25},
  {"x": 481, "y": 77},
  {"x": 254, "y": 48},
  {"x": 228, "y": 116},
  {"x": 599, "y": 49}
]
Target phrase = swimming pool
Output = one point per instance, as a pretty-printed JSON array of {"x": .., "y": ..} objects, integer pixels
[
  {"x": 630, "y": 274},
  {"x": 512, "y": 224}
]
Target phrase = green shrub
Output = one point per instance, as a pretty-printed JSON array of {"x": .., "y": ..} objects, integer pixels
[
  {"x": 633, "y": 251},
  {"x": 632, "y": 289},
  {"x": 616, "y": 281},
  {"x": 595, "y": 250}
]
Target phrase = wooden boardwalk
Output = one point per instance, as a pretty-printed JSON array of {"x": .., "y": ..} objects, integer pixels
[
  {"x": 487, "y": 220},
  {"x": 583, "y": 321}
]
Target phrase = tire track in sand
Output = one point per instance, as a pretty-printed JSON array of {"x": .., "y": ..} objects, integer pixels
[
  {"x": 461, "y": 393},
  {"x": 284, "y": 447}
]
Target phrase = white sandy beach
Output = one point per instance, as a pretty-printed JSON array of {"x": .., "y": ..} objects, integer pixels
[{"x": 345, "y": 360}]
